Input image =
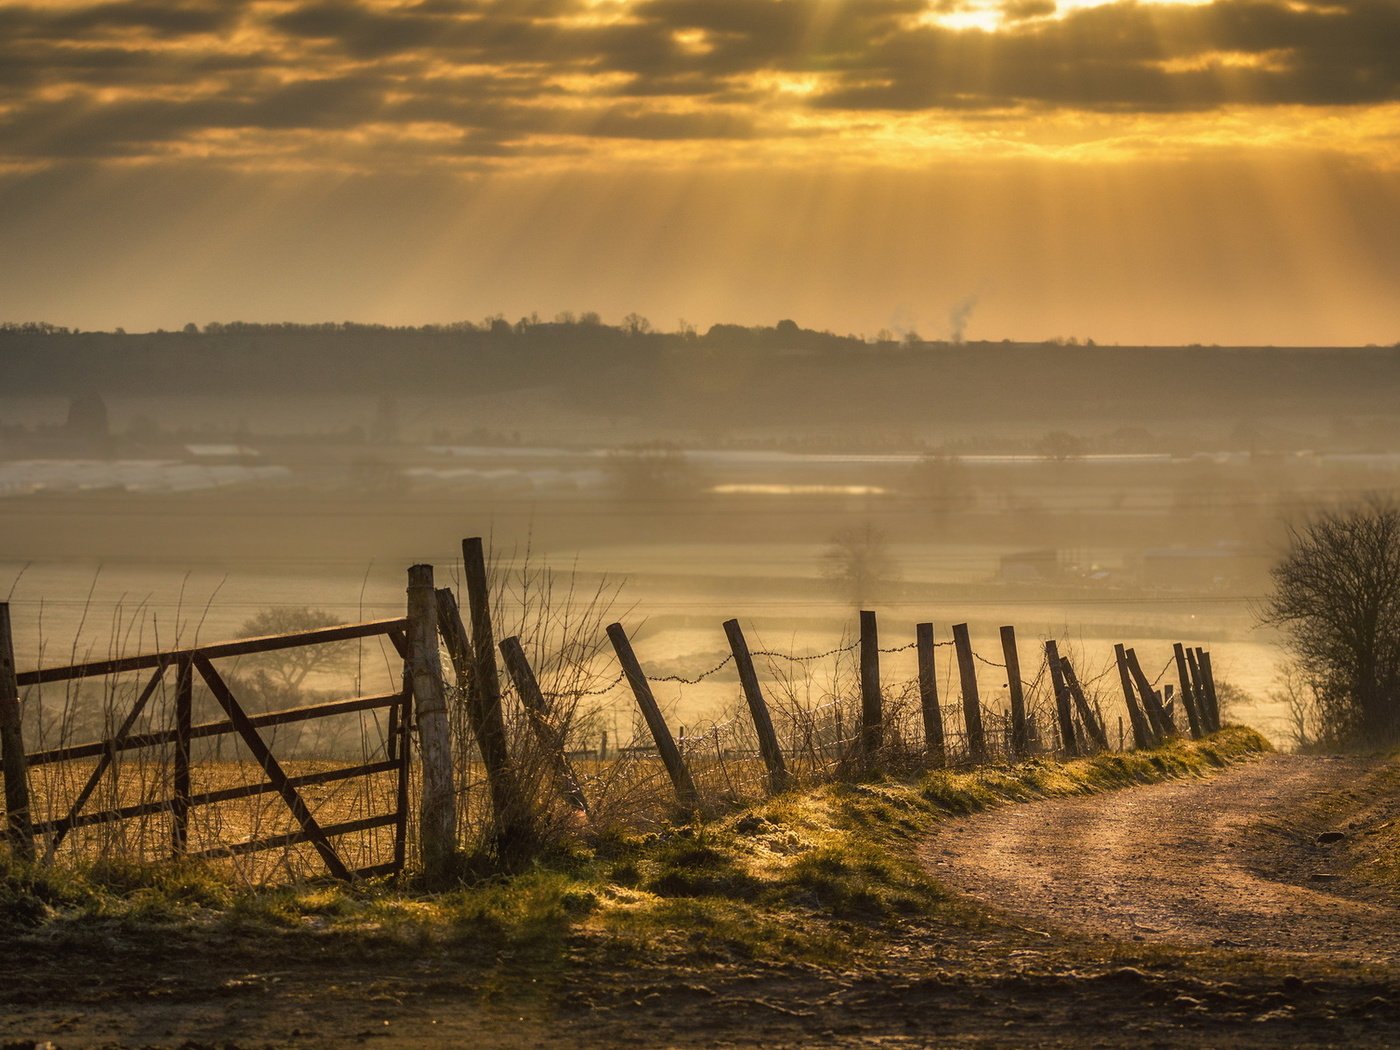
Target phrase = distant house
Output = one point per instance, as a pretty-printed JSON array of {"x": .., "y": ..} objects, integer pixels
[{"x": 1038, "y": 566}]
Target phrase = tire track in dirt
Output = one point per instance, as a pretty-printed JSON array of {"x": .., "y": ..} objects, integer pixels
[{"x": 1186, "y": 861}]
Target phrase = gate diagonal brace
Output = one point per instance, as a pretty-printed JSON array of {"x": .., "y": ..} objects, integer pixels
[{"x": 275, "y": 774}]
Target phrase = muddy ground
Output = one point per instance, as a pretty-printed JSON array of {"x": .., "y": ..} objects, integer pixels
[{"x": 1187, "y": 913}]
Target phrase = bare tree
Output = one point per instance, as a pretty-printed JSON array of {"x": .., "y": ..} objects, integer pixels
[
  {"x": 1337, "y": 596},
  {"x": 288, "y": 668},
  {"x": 859, "y": 565}
]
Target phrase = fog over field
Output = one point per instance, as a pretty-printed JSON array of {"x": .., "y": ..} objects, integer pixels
[{"x": 784, "y": 476}]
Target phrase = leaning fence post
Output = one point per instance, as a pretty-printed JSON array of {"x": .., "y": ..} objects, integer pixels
[
  {"x": 513, "y": 832},
  {"x": 971, "y": 701},
  {"x": 1162, "y": 724},
  {"x": 1091, "y": 722},
  {"x": 686, "y": 794},
  {"x": 872, "y": 728},
  {"x": 515, "y": 836},
  {"x": 437, "y": 807},
  {"x": 1062, "y": 708},
  {"x": 1195, "y": 711},
  {"x": 537, "y": 712},
  {"x": 1203, "y": 661},
  {"x": 1020, "y": 745},
  {"x": 928, "y": 695},
  {"x": 778, "y": 779},
  {"x": 19, "y": 823},
  {"x": 1201, "y": 688},
  {"x": 1143, "y": 735}
]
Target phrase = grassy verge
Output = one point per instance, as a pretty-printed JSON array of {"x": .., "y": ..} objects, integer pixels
[{"x": 818, "y": 877}]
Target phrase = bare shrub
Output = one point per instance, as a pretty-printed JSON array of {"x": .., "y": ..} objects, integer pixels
[{"x": 1337, "y": 598}]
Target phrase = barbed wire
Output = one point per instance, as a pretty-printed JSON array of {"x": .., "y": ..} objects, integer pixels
[
  {"x": 804, "y": 659},
  {"x": 1162, "y": 674},
  {"x": 1088, "y": 682},
  {"x": 906, "y": 648},
  {"x": 682, "y": 680},
  {"x": 580, "y": 693}
]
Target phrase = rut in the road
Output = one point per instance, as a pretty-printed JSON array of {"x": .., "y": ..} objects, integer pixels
[{"x": 1183, "y": 861}]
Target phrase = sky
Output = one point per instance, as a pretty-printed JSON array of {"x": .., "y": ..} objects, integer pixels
[{"x": 1177, "y": 171}]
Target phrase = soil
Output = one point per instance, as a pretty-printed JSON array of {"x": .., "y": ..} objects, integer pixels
[{"x": 1179, "y": 914}]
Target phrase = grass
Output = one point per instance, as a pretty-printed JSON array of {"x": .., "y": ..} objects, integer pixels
[
  {"x": 818, "y": 876},
  {"x": 1367, "y": 813}
]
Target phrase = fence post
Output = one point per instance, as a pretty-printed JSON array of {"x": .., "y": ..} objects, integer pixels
[
  {"x": 403, "y": 752},
  {"x": 778, "y": 779},
  {"x": 1143, "y": 736},
  {"x": 1062, "y": 708},
  {"x": 872, "y": 726},
  {"x": 934, "y": 742},
  {"x": 1208, "y": 676},
  {"x": 1020, "y": 745},
  {"x": 1195, "y": 710},
  {"x": 537, "y": 713},
  {"x": 437, "y": 807},
  {"x": 1201, "y": 691},
  {"x": 184, "y": 719},
  {"x": 1162, "y": 724},
  {"x": 19, "y": 824},
  {"x": 1091, "y": 722},
  {"x": 686, "y": 794},
  {"x": 971, "y": 701},
  {"x": 513, "y": 832}
]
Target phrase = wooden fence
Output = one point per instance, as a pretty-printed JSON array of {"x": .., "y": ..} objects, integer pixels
[{"x": 964, "y": 733}]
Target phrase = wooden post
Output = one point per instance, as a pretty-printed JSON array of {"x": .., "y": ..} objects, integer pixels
[
  {"x": 437, "y": 807},
  {"x": 1201, "y": 692},
  {"x": 184, "y": 718},
  {"x": 934, "y": 742},
  {"x": 1020, "y": 743},
  {"x": 1162, "y": 724},
  {"x": 513, "y": 830},
  {"x": 399, "y": 736},
  {"x": 1090, "y": 720},
  {"x": 686, "y": 794},
  {"x": 872, "y": 728},
  {"x": 1143, "y": 736},
  {"x": 19, "y": 823},
  {"x": 515, "y": 834},
  {"x": 971, "y": 701},
  {"x": 1195, "y": 712},
  {"x": 1208, "y": 678},
  {"x": 537, "y": 712},
  {"x": 1062, "y": 700},
  {"x": 778, "y": 779}
]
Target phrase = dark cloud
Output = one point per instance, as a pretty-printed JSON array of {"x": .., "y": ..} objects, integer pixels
[
  {"x": 164, "y": 20},
  {"x": 1019, "y": 10},
  {"x": 666, "y": 69}
]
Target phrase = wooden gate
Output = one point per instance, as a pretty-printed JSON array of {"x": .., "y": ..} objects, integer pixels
[{"x": 185, "y": 664}]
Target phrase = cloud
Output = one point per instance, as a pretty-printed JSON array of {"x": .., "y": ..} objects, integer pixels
[{"x": 129, "y": 79}]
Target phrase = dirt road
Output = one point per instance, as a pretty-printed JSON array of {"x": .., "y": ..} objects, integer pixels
[{"x": 1232, "y": 861}]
